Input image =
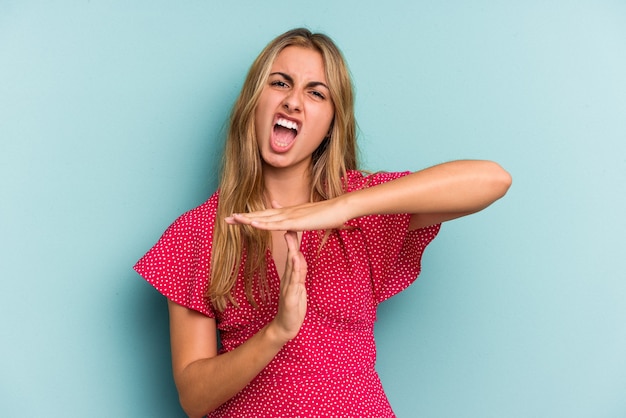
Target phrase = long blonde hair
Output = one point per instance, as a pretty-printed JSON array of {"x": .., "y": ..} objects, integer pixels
[{"x": 241, "y": 183}]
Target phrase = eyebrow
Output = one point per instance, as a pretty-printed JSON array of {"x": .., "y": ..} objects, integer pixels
[{"x": 309, "y": 84}]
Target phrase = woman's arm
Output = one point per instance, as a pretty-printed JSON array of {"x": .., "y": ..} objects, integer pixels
[
  {"x": 204, "y": 379},
  {"x": 436, "y": 194},
  {"x": 439, "y": 193}
]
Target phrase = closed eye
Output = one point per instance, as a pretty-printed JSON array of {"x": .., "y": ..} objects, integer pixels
[
  {"x": 317, "y": 94},
  {"x": 316, "y": 88},
  {"x": 279, "y": 83}
]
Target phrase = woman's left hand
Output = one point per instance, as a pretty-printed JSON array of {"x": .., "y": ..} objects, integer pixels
[{"x": 327, "y": 214}]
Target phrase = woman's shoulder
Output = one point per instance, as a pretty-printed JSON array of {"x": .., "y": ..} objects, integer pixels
[{"x": 200, "y": 218}]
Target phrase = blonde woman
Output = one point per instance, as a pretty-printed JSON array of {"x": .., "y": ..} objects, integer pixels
[{"x": 289, "y": 259}]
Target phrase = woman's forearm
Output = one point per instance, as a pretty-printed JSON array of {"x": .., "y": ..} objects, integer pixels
[
  {"x": 455, "y": 187},
  {"x": 205, "y": 380},
  {"x": 205, "y": 384}
]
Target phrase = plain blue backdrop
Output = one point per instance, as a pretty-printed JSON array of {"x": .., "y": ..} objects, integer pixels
[{"x": 112, "y": 116}]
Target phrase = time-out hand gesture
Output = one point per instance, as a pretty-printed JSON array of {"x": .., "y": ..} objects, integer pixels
[{"x": 292, "y": 302}]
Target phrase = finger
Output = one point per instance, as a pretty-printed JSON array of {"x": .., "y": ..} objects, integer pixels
[
  {"x": 291, "y": 238},
  {"x": 237, "y": 219},
  {"x": 298, "y": 262},
  {"x": 286, "y": 278},
  {"x": 280, "y": 221},
  {"x": 298, "y": 274},
  {"x": 298, "y": 266},
  {"x": 262, "y": 220}
]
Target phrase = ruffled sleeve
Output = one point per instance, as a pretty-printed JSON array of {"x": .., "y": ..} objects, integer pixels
[
  {"x": 394, "y": 251},
  {"x": 178, "y": 264}
]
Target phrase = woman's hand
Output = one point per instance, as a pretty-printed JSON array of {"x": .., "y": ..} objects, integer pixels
[
  {"x": 292, "y": 302},
  {"x": 327, "y": 214}
]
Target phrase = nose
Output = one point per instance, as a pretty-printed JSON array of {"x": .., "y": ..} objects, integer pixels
[{"x": 293, "y": 101}]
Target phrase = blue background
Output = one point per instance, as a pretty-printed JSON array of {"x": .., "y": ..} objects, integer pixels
[{"x": 111, "y": 121}]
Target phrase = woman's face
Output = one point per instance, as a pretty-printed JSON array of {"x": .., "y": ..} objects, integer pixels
[{"x": 294, "y": 112}]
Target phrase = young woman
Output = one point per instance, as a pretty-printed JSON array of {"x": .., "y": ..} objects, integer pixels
[{"x": 291, "y": 256}]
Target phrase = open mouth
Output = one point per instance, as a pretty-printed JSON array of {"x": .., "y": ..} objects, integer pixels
[{"x": 284, "y": 133}]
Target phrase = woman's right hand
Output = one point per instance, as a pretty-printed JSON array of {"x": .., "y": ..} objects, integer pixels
[
  {"x": 204, "y": 379},
  {"x": 292, "y": 301}
]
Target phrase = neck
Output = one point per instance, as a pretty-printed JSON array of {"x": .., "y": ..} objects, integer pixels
[{"x": 288, "y": 187}]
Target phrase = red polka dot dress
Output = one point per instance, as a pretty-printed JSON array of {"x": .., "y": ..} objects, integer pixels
[{"x": 328, "y": 369}]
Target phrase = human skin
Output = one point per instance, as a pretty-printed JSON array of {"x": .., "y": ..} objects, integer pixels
[{"x": 297, "y": 91}]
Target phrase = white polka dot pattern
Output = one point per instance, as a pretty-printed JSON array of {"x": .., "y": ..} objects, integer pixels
[{"x": 328, "y": 369}]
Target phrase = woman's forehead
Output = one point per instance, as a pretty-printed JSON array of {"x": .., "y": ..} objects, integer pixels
[{"x": 300, "y": 62}]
